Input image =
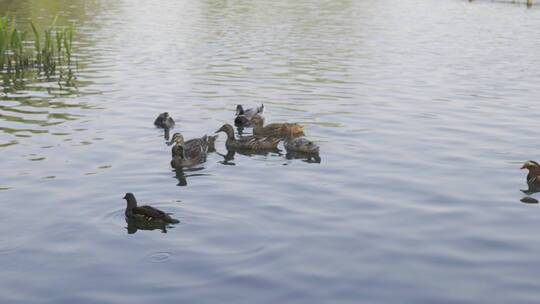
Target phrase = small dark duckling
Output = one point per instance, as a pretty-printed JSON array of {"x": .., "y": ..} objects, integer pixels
[
  {"x": 164, "y": 121},
  {"x": 145, "y": 213},
  {"x": 534, "y": 171},
  {"x": 300, "y": 144},
  {"x": 243, "y": 117},
  {"x": 248, "y": 142},
  {"x": 276, "y": 129}
]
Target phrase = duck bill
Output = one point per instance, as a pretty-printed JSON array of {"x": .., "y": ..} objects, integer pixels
[{"x": 523, "y": 167}]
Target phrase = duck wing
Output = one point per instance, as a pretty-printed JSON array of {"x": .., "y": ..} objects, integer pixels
[
  {"x": 148, "y": 211},
  {"x": 151, "y": 213},
  {"x": 257, "y": 142},
  {"x": 249, "y": 113},
  {"x": 284, "y": 129},
  {"x": 196, "y": 148}
]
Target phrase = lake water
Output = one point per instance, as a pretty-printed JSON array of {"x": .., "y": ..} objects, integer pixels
[{"x": 424, "y": 111}]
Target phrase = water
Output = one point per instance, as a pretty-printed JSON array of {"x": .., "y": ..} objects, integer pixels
[{"x": 424, "y": 111}]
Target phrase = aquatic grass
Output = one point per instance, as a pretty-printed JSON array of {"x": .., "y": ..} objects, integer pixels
[{"x": 51, "y": 48}]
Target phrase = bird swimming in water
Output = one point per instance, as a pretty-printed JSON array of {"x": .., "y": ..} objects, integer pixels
[
  {"x": 248, "y": 142},
  {"x": 145, "y": 213},
  {"x": 191, "y": 152},
  {"x": 300, "y": 144},
  {"x": 244, "y": 117},
  {"x": 276, "y": 129},
  {"x": 164, "y": 121}
]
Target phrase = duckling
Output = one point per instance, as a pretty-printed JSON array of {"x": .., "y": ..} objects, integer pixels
[
  {"x": 278, "y": 129},
  {"x": 248, "y": 142},
  {"x": 145, "y": 213},
  {"x": 534, "y": 171},
  {"x": 164, "y": 121},
  {"x": 300, "y": 144},
  {"x": 191, "y": 152},
  {"x": 243, "y": 117}
]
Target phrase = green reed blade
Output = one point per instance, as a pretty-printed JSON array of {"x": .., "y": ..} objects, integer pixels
[
  {"x": 54, "y": 20},
  {"x": 36, "y": 37},
  {"x": 15, "y": 41},
  {"x": 71, "y": 33},
  {"x": 59, "y": 37},
  {"x": 21, "y": 44}
]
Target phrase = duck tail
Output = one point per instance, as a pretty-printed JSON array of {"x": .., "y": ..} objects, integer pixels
[
  {"x": 299, "y": 128},
  {"x": 212, "y": 139}
]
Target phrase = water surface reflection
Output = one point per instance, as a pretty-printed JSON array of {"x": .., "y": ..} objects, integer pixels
[
  {"x": 422, "y": 104},
  {"x": 133, "y": 226}
]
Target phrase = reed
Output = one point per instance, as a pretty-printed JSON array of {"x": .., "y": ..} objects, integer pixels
[{"x": 50, "y": 48}]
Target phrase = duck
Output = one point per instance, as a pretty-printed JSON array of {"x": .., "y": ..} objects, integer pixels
[
  {"x": 248, "y": 142},
  {"x": 146, "y": 213},
  {"x": 244, "y": 117},
  {"x": 534, "y": 171},
  {"x": 192, "y": 152},
  {"x": 164, "y": 121},
  {"x": 300, "y": 144},
  {"x": 276, "y": 129}
]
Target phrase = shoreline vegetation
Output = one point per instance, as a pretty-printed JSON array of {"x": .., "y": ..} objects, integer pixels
[{"x": 49, "y": 49}]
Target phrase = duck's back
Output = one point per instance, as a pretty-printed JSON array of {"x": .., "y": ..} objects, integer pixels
[
  {"x": 195, "y": 148},
  {"x": 153, "y": 214},
  {"x": 301, "y": 144},
  {"x": 254, "y": 142},
  {"x": 277, "y": 129},
  {"x": 148, "y": 211}
]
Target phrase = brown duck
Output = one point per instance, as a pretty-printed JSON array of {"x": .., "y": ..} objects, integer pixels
[
  {"x": 191, "y": 152},
  {"x": 276, "y": 129},
  {"x": 146, "y": 213},
  {"x": 534, "y": 171},
  {"x": 248, "y": 142}
]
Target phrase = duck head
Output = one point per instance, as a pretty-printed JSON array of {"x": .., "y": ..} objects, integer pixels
[
  {"x": 534, "y": 170},
  {"x": 228, "y": 129},
  {"x": 177, "y": 138},
  {"x": 131, "y": 201},
  {"x": 241, "y": 120},
  {"x": 239, "y": 110}
]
